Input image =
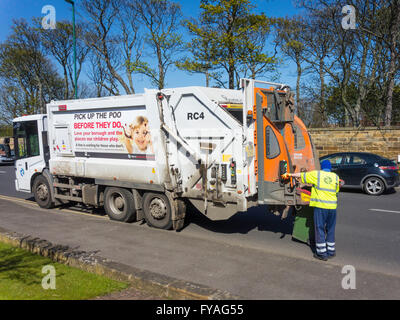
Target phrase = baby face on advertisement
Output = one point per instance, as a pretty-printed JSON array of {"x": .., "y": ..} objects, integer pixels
[{"x": 141, "y": 136}]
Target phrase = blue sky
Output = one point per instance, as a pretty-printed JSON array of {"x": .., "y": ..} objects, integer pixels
[{"x": 16, "y": 9}]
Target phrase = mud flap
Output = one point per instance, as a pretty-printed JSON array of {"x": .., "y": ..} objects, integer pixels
[
  {"x": 303, "y": 228},
  {"x": 178, "y": 208},
  {"x": 138, "y": 205},
  {"x": 179, "y": 221}
]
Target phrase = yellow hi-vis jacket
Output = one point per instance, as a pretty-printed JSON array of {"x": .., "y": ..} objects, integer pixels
[{"x": 324, "y": 190}]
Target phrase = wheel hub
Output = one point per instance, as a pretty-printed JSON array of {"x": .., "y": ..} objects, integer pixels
[
  {"x": 117, "y": 204},
  {"x": 374, "y": 186},
  {"x": 42, "y": 192},
  {"x": 158, "y": 209}
]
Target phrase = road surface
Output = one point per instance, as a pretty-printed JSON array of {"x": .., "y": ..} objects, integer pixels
[{"x": 251, "y": 255}]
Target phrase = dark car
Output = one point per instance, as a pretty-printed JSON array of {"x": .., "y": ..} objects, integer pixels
[
  {"x": 3, "y": 157},
  {"x": 370, "y": 172}
]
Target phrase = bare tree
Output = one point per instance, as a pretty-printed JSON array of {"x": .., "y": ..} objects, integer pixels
[
  {"x": 288, "y": 36},
  {"x": 109, "y": 35},
  {"x": 23, "y": 65},
  {"x": 320, "y": 44},
  {"x": 160, "y": 20},
  {"x": 98, "y": 74},
  {"x": 366, "y": 56},
  {"x": 59, "y": 43},
  {"x": 394, "y": 40}
]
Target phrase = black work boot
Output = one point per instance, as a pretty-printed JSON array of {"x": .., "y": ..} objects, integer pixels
[{"x": 323, "y": 258}]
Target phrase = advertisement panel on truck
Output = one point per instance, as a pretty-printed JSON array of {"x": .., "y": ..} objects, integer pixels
[{"x": 122, "y": 134}]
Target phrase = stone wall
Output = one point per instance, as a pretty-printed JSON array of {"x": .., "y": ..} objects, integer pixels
[{"x": 381, "y": 141}]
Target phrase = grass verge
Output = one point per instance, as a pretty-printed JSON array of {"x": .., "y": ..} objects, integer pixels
[{"x": 21, "y": 278}]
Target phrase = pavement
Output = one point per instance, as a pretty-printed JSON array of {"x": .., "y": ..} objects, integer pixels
[
  {"x": 251, "y": 255},
  {"x": 143, "y": 284}
]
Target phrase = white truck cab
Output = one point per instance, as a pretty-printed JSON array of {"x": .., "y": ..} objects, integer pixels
[{"x": 31, "y": 149}]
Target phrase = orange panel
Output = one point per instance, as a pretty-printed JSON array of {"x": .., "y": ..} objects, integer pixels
[
  {"x": 306, "y": 161},
  {"x": 271, "y": 166}
]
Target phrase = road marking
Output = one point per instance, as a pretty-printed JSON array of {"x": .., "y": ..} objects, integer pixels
[
  {"x": 16, "y": 199},
  {"x": 52, "y": 210},
  {"x": 3, "y": 172},
  {"x": 385, "y": 210}
]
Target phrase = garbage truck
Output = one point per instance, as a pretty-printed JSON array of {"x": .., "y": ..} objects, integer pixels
[{"x": 147, "y": 156}]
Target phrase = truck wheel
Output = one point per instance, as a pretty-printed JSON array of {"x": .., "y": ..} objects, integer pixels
[
  {"x": 157, "y": 210},
  {"x": 119, "y": 204},
  {"x": 41, "y": 191}
]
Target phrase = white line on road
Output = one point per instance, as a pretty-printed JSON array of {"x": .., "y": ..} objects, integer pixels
[
  {"x": 2, "y": 172},
  {"x": 385, "y": 210}
]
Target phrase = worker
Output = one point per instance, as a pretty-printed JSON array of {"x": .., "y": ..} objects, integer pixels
[{"x": 325, "y": 186}]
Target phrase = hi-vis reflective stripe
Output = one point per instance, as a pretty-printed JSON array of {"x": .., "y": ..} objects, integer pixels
[
  {"x": 325, "y": 189},
  {"x": 331, "y": 246},
  {"x": 321, "y": 247},
  {"x": 323, "y": 201}
]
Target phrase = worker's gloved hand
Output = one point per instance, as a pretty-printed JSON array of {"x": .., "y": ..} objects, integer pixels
[{"x": 286, "y": 176}]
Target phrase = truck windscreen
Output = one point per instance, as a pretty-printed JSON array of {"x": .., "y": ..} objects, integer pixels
[{"x": 26, "y": 139}]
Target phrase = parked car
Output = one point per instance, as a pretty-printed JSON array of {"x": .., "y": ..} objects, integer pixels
[
  {"x": 370, "y": 172},
  {"x": 3, "y": 158}
]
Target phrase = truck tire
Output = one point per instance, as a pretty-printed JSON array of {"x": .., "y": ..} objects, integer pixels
[
  {"x": 157, "y": 210},
  {"x": 119, "y": 204},
  {"x": 41, "y": 191}
]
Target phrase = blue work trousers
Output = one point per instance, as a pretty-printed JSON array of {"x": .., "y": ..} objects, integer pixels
[{"x": 325, "y": 222}]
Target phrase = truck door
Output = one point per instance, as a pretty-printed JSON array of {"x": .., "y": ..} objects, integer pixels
[
  {"x": 272, "y": 153},
  {"x": 27, "y": 152}
]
